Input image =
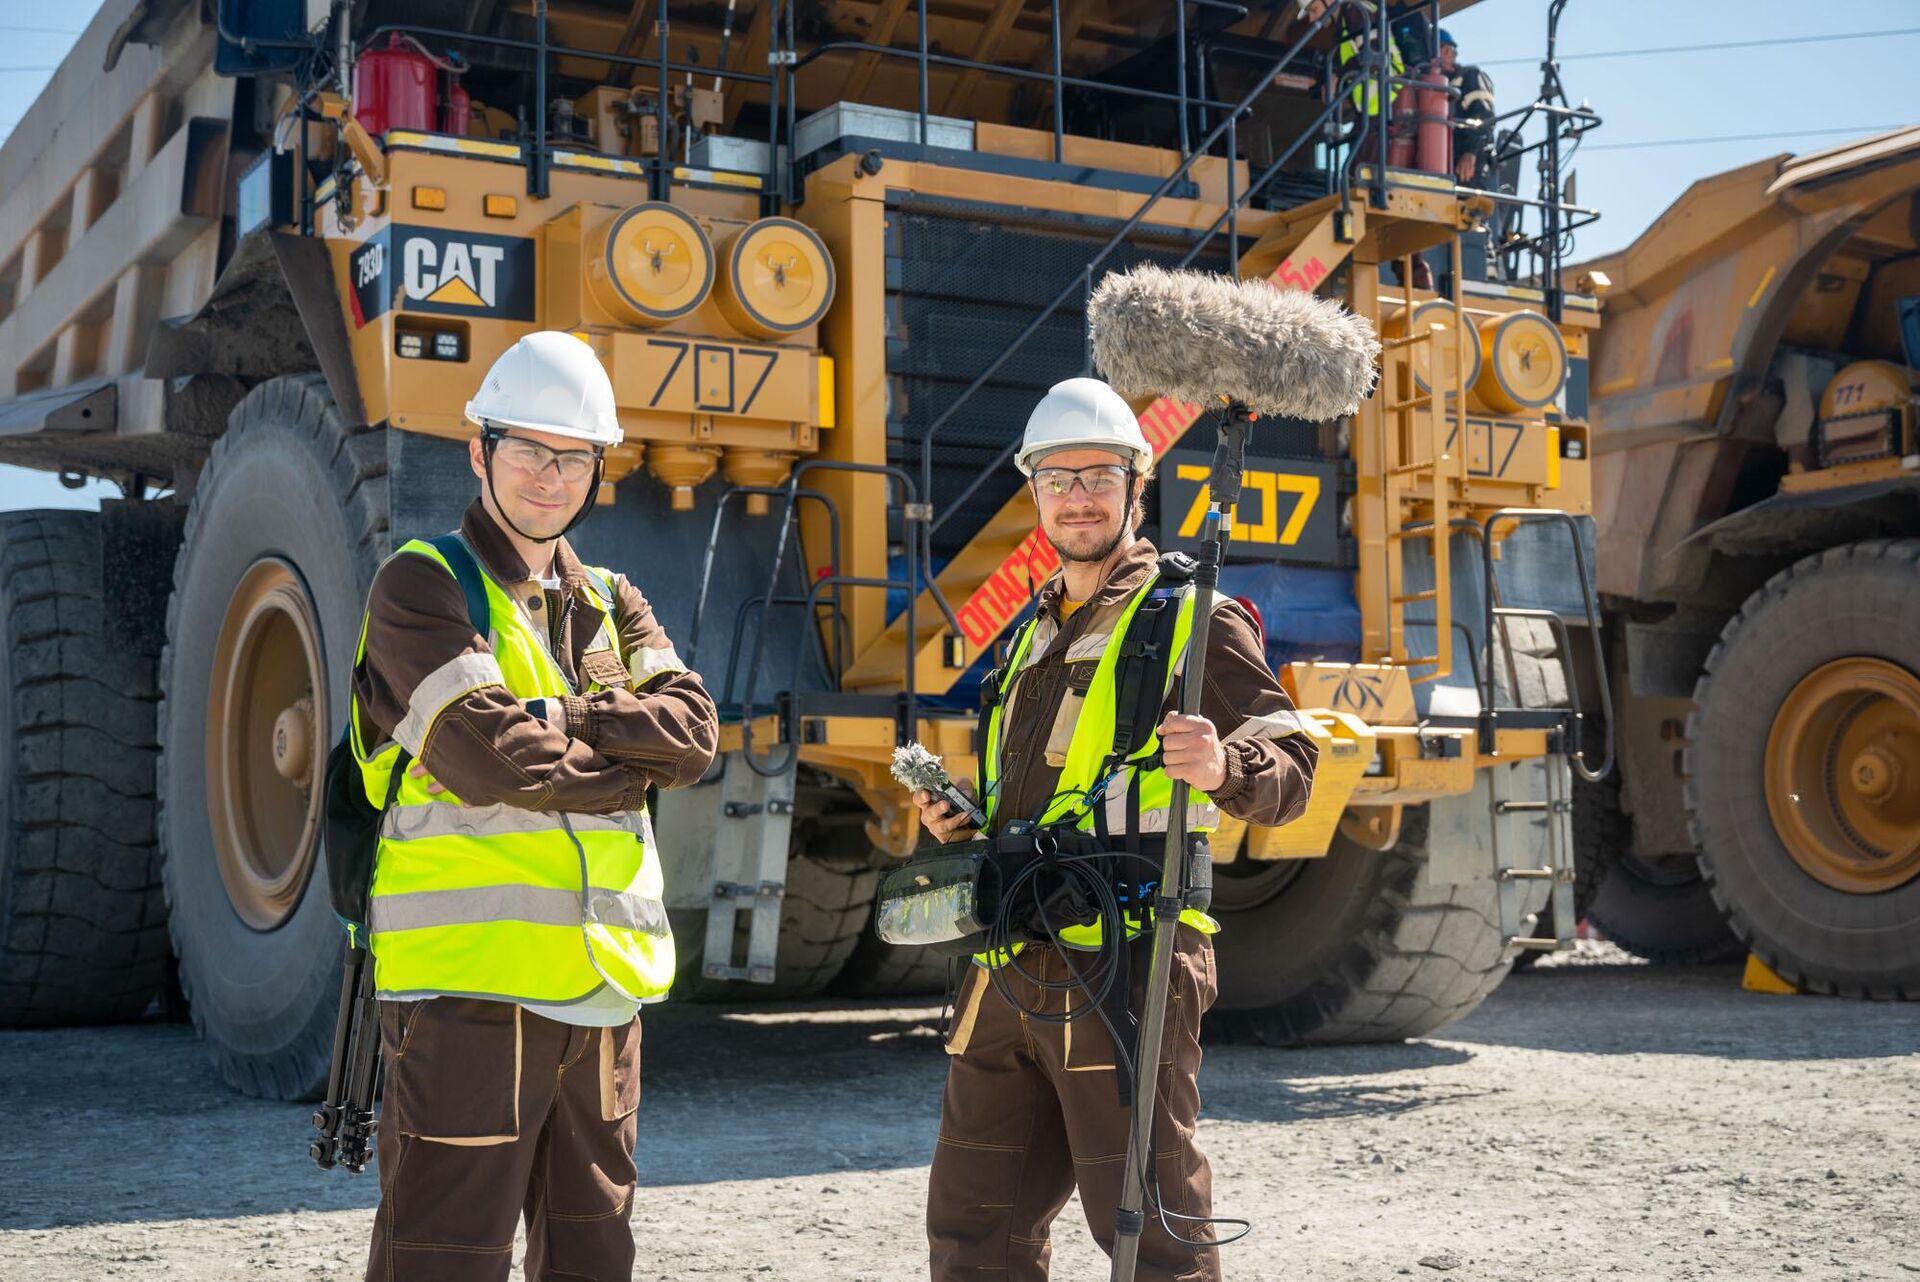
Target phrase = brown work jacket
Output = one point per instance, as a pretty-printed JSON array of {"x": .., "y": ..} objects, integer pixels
[
  {"x": 1269, "y": 772},
  {"x": 593, "y": 753}
]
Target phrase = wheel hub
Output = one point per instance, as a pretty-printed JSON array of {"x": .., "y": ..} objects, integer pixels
[
  {"x": 1875, "y": 772},
  {"x": 268, "y": 680},
  {"x": 1843, "y": 745},
  {"x": 293, "y": 742}
]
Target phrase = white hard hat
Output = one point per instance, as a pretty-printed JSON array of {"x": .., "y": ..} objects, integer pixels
[
  {"x": 1083, "y": 413},
  {"x": 549, "y": 381}
]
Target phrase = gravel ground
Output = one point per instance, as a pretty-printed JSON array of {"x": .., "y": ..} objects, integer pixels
[{"x": 1594, "y": 1120}]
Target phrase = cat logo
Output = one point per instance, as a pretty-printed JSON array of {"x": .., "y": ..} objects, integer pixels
[
  {"x": 458, "y": 273},
  {"x": 464, "y": 274}
]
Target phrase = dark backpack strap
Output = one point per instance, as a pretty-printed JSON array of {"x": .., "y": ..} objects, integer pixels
[
  {"x": 466, "y": 571},
  {"x": 394, "y": 780},
  {"x": 992, "y": 694},
  {"x": 1140, "y": 682}
]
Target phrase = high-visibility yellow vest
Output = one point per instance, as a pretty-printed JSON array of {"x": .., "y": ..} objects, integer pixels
[
  {"x": 1081, "y": 798},
  {"x": 1366, "y": 95},
  {"x": 496, "y": 901}
]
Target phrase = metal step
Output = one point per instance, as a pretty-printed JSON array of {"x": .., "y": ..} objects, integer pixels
[
  {"x": 1518, "y": 842},
  {"x": 748, "y": 872}
]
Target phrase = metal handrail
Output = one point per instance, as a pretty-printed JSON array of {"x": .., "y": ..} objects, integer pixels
[
  {"x": 1254, "y": 188},
  {"x": 1114, "y": 242},
  {"x": 1484, "y": 688},
  {"x": 1489, "y": 715},
  {"x": 835, "y": 581},
  {"x": 999, "y": 69},
  {"x": 562, "y": 51},
  {"x": 713, "y": 544}
]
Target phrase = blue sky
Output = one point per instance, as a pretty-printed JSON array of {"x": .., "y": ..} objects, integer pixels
[{"x": 1791, "y": 85}]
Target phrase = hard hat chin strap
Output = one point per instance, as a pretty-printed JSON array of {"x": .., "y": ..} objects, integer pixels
[{"x": 490, "y": 438}]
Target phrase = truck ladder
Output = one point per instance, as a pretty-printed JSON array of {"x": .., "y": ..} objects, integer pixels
[
  {"x": 1412, "y": 457},
  {"x": 749, "y": 871},
  {"x": 1513, "y": 852}
]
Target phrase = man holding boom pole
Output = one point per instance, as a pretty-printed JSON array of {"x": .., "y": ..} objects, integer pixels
[{"x": 1038, "y": 1099}]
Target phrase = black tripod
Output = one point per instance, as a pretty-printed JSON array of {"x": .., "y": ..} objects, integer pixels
[
  {"x": 1224, "y": 492},
  {"x": 345, "y": 1120}
]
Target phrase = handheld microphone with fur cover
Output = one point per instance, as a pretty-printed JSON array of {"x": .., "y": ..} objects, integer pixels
[{"x": 1245, "y": 348}]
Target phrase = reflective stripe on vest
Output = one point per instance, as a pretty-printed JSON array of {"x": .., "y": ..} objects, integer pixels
[
  {"x": 1092, "y": 743},
  {"x": 499, "y": 901},
  {"x": 1366, "y": 95}
]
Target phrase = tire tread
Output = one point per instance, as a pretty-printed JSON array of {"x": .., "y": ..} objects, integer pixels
[{"x": 82, "y": 931}]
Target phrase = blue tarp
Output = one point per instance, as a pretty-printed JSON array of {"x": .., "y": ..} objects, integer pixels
[{"x": 1308, "y": 612}]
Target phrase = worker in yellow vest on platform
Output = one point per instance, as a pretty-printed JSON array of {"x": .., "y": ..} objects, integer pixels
[
  {"x": 517, "y": 919},
  {"x": 1031, "y": 1107}
]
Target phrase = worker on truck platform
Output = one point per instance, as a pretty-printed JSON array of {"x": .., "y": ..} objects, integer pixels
[
  {"x": 1473, "y": 116},
  {"x": 1031, "y": 1107},
  {"x": 538, "y": 700}
]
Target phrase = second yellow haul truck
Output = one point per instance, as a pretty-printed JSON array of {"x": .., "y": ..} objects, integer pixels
[
  {"x": 1758, "y": 478},
  {"x": 253, "y": 257}
]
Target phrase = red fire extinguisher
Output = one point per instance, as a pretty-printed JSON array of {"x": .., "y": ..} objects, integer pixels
[
  {"x": 456, "y": 108},
  {"x": 1400, "y": 130},
  {"x": 1434, "y": 110},
  {"x": 393, "y": 88}
]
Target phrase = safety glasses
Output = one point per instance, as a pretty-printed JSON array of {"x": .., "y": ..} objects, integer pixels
[
  {"x": 534, "y": 458},
  {"x": 1101, "y": 478}
]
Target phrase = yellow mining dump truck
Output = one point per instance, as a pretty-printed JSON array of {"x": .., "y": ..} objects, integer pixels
[
  {"x": 256, "y": 256},
  {"x": 1757, "y": 487}
]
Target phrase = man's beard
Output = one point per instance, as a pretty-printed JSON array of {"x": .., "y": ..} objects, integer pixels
[
  {"x": 1095, "y": 557},
  {"x": 1104, "y": 550}
]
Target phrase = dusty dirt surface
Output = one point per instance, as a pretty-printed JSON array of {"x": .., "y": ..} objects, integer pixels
[{"x": 1593, "y": 1121}]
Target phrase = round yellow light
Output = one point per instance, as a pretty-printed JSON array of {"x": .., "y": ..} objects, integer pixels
[
  {"x": 650, "y": 265},
  {"x": 1526, "y": 362},
  {"x": 1436, "y": 312},
  {"x": 776, "y": 278}
]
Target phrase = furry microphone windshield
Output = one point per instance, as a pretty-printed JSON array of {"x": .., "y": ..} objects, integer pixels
[
  {"x": 1198, "y": 336},
  {"x": 915, "y": 767}
]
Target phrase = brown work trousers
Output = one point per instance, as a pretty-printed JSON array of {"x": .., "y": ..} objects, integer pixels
[
  {"x": 1032, "y": 1109},
  {"x": 490, "y": 1112}
]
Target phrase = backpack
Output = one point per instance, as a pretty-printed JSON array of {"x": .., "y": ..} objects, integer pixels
[{"x": 349, "y": 825}]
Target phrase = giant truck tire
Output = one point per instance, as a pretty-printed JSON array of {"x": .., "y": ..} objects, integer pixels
[
  {"x": 1659, "y": 909},
  {"x": 288, "y": 524},
  {"x": 876, "y": 968},
  {"x": 83, "y": 934},
  {"x": 1803, "y": 771},
  {"x": 1352, "y": 947},
  {"x": 827, "y": 904}
]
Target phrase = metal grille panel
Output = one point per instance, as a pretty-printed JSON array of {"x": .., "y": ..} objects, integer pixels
[{"x": 963, "y": 280}]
